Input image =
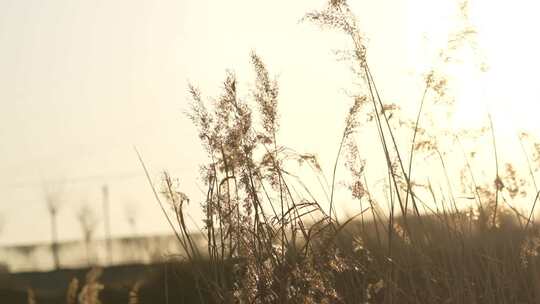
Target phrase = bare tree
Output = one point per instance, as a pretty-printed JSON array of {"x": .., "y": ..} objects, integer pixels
[
  {"x": 88, "y": 221},
  {"x": 52, "y": 199}
]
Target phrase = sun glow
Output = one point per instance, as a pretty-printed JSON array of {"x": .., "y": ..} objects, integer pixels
[{"x": 495, "y": 74}]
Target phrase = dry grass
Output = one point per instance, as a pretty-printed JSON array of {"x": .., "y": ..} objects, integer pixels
[{"x": 269, "y": 240}]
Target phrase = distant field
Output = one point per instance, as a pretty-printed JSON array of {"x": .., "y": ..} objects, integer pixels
[{"x": 51, "y": 287}]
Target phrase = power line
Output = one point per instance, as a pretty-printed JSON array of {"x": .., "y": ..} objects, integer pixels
[
  {"x": 74, "y": 180},
  {"x": 81, "y": 179}
]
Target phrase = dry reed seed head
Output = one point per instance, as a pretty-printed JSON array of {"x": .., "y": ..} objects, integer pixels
[
  {"x": 266, "y": 93},
  {"x": 93, "y": 275},
  {"x": 356, "y": 167},
  {"x": 401, "y": 233},
  {"x": 337, "y": 2},
  {"x": 239, "y": 112},
  {"x": 458, "y": 40},
  {"x": 337, "y": 15},
  {"x": 536, "y": 155},
  {"x": 327, "y": 18},
  {"x": 395, "y": 167},
  {"x": 350, "y": 56},
  {"x": 311, "y": 159},
  {"x": 438, "y": 83},
  {"x": 224, "y": 105},
  {"x": 170, "y": 190},
  {"x": 351, "y": 120},
  {"x": 390, "y": 110},
  {"x": 513, "y": 183},
  {"x": 71, "y": 294},
  {"x": 353, "y": 161},
  {"x": 530, "y": 249},
  {"x": 357, "y": 189},
  {"x": 90, "y": 291},
  {"x": 498, "y": 183},
  {"x": 427, "y": 146},
  {"x": 471, "y": 134},
  {"x": 466, "y": 34},
  {"x": 271, "y": 170},
  {"x": 226, "y": 133},
  {"x": 363, "y": 258},
  {"x": 306, "y": 276},
  {"x": 30, "y": 296},
  {"x": 134, "y": 293},
  {"x": 201, "y": 118}
]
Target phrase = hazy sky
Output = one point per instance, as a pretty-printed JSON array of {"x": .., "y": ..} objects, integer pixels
[{"x": 82, "y": 82}]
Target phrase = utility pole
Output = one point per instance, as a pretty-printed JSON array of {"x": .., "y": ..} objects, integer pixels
[{"x": 106, "y": 218}]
